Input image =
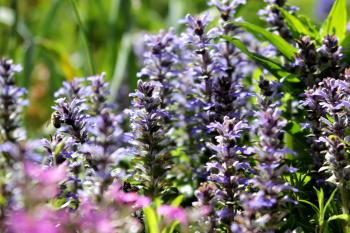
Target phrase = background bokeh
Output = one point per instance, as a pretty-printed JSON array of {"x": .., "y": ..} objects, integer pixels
[{"x": 57, "y": 40}]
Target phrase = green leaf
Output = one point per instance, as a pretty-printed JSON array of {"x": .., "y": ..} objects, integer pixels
[
  {"x": 346, "y": 48},
  {"x": 330, "y": 199},
  {"x": 323, "y": 207},
  {"x": 310, "y": 25},
  {"x": 320, "y": 197},
  {"x": 3, "y": 201},
  {"x": 346, "y": 42},
  {"x": 176, "y": 11},
  {"x": 336, "y": 21},
  {"x": 171, "y": 228},
  {"x": 296, "y": 25},
  {"x": 282, "y": 45},
  {"x": 151, "y": 222},
  {"x": 344, "y": 217},
  {"x": 303, "y": 178},
  {"x": 177, "y": 201},
  {"x": 293, "y": 127},
  {"x": 310, "y": 204},
  {"x": 274, "y": 67}
]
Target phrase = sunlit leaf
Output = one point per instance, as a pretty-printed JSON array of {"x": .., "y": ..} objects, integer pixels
[
  {"x": 345, "y": 217},
  {"x": 151, "y": 221},
  {"x": 261, "y": 33},
  {"x": 336, "y": 21},
  {"x": 296, "y": 25},
  {"x": 274, "y": 67}
]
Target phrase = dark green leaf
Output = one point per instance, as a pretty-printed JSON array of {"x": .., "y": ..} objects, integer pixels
[
  {"x": 310, "y": 204},
  {"x": 330, "y": 199},
  {"x": 293, "y": 127}
]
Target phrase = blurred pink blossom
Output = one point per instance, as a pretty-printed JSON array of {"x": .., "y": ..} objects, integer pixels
[
  {"x": 93, "y": 219},
  {"x": 173, "y": 213},
  {"x": 42, "y": 221},
  {"x": 132, "y": 198},
  {"x": 46, "y": 175},
  {"x": 48, "y": 179}
]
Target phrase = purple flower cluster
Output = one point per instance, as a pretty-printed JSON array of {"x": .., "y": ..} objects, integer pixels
[
  {"x": 263, "y": 206},
  {"x": 210, "y": 79},
  {"x": 162, "y": 62},
  {"x": 227, "y": 170},
  {"x": 69, "y": 118},
  {"x": 88, "y": 134},
  {"x": 215, "y": 105},
  {"x": 149, "y": 138},
  {"x": 332, "y": 97},
  {"x": 217, "y": 83},
  {"x": 77, "y": 182},
  {"x": 226, "y": 8},
  {"x": 12, "y": 101},
  {"x": 314, "y": 64},
  {"x": 205, "y": 145}
]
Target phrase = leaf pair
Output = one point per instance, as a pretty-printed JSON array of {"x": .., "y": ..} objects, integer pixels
[{"x": 322, "y": 210}]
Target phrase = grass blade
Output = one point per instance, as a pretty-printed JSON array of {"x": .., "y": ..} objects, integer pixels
[
  {"x": 84, "y": 37},
  {"x": 121, "y": 64}
]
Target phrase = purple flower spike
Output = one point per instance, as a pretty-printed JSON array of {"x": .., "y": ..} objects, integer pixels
[
  {"x": 12, "y": 101},
  {"x": 226, "y": 169},
  {"x": 264, "y": 209},
  {"x": 148, "y": 121}
]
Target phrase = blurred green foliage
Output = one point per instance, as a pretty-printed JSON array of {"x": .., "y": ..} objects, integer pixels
[{"x": 55, "y": 40}]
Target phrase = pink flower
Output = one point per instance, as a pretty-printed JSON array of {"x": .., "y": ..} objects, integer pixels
[
  {"x": 46, "y": 175},
  {"x": 42, "y": 221},
  {"x": 133, "y": 199},
  {"x": 93, "y": 219},
  {"x": 47, "y": 179},
  {"x": 173, "y": 213}
]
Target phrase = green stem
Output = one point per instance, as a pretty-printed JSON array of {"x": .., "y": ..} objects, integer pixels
[
  {"x": 13, "y": 33},
  {"x": 344, "y": 203},
  {"x": 85, "y": 38}
]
